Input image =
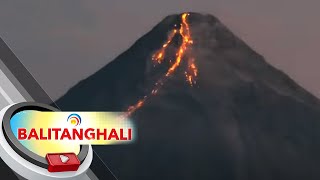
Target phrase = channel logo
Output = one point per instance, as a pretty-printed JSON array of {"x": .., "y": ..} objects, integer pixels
[
  {"x": 67, "y": 128},
  {"x": 74, "y": 119},
  {"x": 38, "y": 157}
]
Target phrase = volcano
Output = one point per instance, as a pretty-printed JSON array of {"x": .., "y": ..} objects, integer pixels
[{"x": 238, "y": 119}]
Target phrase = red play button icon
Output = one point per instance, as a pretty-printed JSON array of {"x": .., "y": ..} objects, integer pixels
[{"x": 60, "y": 162}]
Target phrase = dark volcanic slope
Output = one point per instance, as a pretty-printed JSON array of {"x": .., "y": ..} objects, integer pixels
[{"x": 243, "y": 120}]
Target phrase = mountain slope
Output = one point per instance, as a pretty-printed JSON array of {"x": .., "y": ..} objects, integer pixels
[{"x": 243, "y": 119}]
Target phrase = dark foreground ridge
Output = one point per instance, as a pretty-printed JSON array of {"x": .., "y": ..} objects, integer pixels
[{"x": 244, "y": 119}]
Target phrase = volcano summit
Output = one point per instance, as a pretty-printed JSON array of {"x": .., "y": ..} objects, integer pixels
[{"x": 237, "y": 117}]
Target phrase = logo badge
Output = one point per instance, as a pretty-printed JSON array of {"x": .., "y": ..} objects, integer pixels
[
  {"x": 61, "y": 162},
  {"x": 74, "y": 119}
]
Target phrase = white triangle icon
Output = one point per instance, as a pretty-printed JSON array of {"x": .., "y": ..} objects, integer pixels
[{"x": 64, "y": 158}]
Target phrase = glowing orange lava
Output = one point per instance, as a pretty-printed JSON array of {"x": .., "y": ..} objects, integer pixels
[
  {"x": 190, "y": 73},
  {"x": 159, "y": 55}
]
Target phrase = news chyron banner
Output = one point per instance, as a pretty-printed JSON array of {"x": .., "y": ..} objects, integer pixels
[{"x": 56, "y": 132}]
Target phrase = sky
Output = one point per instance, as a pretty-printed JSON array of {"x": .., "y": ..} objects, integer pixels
[{"x": 64, "y": 41}]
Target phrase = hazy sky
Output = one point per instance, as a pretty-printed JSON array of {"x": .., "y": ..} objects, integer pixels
[{"x": 64, "y": 41}]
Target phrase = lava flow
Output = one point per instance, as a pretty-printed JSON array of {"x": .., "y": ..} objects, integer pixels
[
  {"x": 190, "y": 73},
  {"x": 159, "y": 55}
]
